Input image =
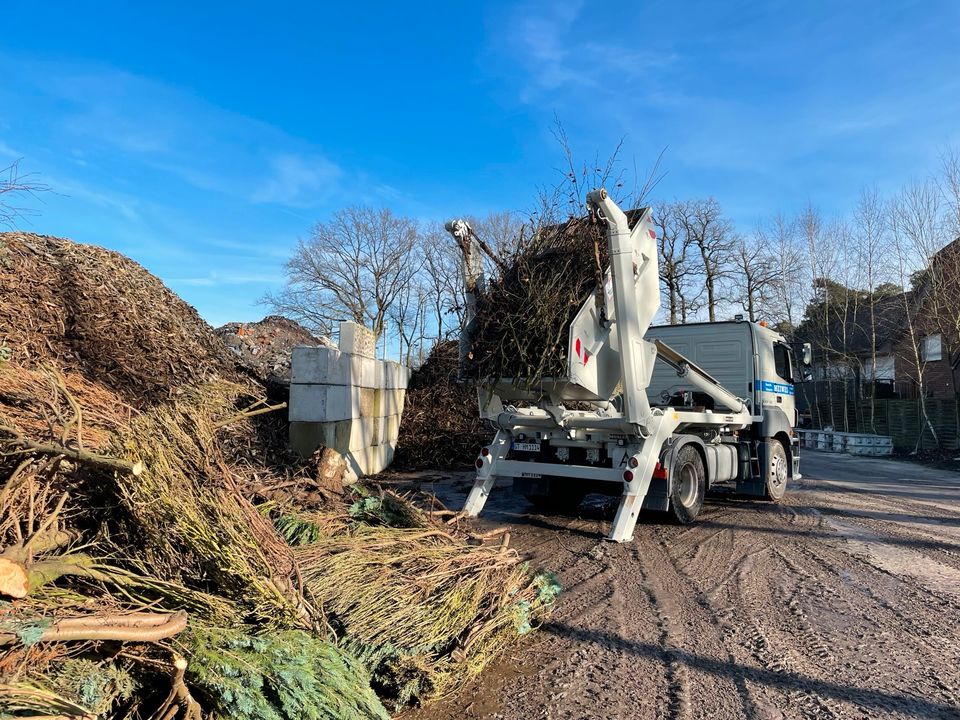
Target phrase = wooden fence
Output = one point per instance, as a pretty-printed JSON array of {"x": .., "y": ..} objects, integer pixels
[{"x": 900, "y": 419}]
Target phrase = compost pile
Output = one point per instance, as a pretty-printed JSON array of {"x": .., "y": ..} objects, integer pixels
[
  {"x": 265, "y": 347},
  {"x": 97, "y": 313},
  {"x": 152, "y": 565},
  {"x": 523, "y": 314},
  {"x": 440, "y": 427}
]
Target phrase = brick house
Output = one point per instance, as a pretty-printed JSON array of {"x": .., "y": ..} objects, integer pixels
[{"x": 927, "y": 358}]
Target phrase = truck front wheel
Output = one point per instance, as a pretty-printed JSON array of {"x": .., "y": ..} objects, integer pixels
[
  {"x": 778, "y": 471},
  {"x": 688, "y": 486}
]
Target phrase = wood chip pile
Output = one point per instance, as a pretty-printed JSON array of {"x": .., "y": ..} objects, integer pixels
[
  {"x": 98, "y": 313},
  {"x": 440, "y": 427},
  {"x": 162, "y": 557}
]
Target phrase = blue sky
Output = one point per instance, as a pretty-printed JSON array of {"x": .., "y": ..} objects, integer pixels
[{"x": 204, "y": 138}]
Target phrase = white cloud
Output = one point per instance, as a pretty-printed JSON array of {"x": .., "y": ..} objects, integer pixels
[
  {"x": 558, "y": 55},
  {"x": 118, "y": 116},
  {"x": 215, "y": 279},
  {"x": 7, "y": 151},
  {"x": 298, "y": 181}
]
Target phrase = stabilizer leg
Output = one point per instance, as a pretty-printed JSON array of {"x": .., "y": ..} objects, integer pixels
[
  {"x": 478, "y": 495},
  {"x": 642, "y": 464},
  {"x": 626, "y": 518},
  {"x": 486, "y": 473}
]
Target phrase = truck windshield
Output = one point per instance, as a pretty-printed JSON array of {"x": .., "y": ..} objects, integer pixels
[{"x": 781, "y": 358}]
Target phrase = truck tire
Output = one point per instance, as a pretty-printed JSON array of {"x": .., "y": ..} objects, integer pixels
[
  {"x": 778, "y": 472},
  {"x": 689, "y": 485},
  {"x": 563, "y": 496}
]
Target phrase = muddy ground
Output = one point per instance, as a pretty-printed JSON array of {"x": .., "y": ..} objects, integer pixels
[{"x": 842, "y": 601}]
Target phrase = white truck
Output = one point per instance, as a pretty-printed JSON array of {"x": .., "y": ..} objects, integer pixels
[{"x": 721, "y": 415}]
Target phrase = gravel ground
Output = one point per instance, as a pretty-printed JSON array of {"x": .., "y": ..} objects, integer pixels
[{"x": 843, "y": 601}]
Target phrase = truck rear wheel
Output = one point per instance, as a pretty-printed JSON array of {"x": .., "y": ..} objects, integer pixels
[
  {"x": 778, "y": 472},
  {"x": 689, "y": 485}
]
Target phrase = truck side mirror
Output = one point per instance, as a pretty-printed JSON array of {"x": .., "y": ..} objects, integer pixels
[{"x": 807, "y": 355}]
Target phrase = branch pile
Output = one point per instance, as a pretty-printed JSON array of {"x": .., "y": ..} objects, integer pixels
[
  {"x": 155, "y": 564},
  {"x": 523, "y": 314}
]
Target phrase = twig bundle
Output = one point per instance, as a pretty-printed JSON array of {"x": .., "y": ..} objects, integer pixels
[{"x": 424, "y": 608}]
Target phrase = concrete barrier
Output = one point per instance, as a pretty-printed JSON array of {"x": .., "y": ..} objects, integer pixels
[
  {"x": 842, "y": 442},
  {"x": 348, "y": 401}
]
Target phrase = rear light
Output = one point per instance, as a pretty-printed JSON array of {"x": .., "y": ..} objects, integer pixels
[
  {"x": 479, "y": 463},
  {"x": 634, "y": 462},
  {"x": 484, "y": 451},
  {"x": 628, "y": 476},
  {"x": 659, "y": 472}
]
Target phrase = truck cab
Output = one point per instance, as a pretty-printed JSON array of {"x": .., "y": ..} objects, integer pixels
[{"x": 750, "y": 358}]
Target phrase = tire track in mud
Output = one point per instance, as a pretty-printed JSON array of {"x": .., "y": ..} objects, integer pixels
[
  {"x": 759, "y": 611},
  {"x": 692, "y": 632},
  {"x": 744, "y": 615},
  {"x": 879, "y": 636}
]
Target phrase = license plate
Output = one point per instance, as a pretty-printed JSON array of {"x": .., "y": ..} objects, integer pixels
[
  {"x": 536, "y": 476},
  {"x": 526, "y": 447}
]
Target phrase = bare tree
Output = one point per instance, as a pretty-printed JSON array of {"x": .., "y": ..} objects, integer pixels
[
  {"x": 870, "y": 227},
  {"x": 821, "y": 265},
  {"x": 443, "y": 280},
  {"x": 713, "y": 237},
  {"x": 13, "y": 185},
  {"x": 676, "y": 270},
  {"x": 408, "y": 315},
  {"x": 791, "y": 284},
  {"x": 915, "y": 231},
  {"x": 949, "y": 183},
  {"x": 501, "y": 233},
  {"x": 756, "y": 272},
  {"x": 356, "y": 265}
]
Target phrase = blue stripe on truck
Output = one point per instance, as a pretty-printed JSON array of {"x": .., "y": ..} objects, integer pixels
[{"x": 772, "y": 387}]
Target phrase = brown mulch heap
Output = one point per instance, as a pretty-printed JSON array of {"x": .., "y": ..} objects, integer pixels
[
  {"x": 523, "y": 318},
  {"x": 161, "y": 557},
  {"x": 440, "y": 427},
  {"x": 264, "y": 347},
  {"x": 95, "y": 312}
]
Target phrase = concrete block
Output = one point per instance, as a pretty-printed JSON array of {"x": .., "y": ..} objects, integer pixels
[
  {"x": 395, "y": 375},
  {"x": 370, "y": 460},
  {"x": 305, "y": 438},
  {"x": 392, "y": 401},
  {"x": 363, "y": 371},
  {"x": 389, "y": 430},
  {"x": 357, "y": 340},
  {"x": 363, "y": 433},
  {"x": 320, "y": 403},
  {"x": 363, "y": 402},
  {"x": 319, "y": 366}
]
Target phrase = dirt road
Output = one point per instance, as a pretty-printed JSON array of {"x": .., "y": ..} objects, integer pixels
[{"x": 843, "y": 601}]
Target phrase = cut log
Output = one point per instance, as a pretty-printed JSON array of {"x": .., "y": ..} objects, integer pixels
[
  {"x": 14, "y": 580},
  {"x": 136, "y": 627},
  {"x": 331, "y": 469}
]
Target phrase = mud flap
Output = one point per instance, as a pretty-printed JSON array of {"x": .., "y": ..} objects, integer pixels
[{"x": 658, "y": 496}]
